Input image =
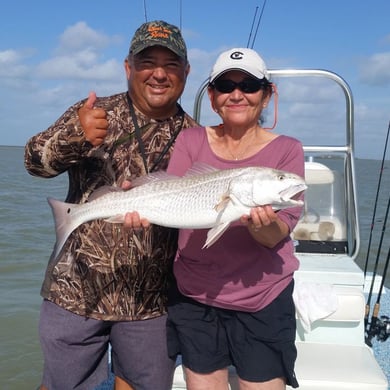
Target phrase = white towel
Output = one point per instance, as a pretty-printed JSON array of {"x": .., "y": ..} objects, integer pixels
[{"x": 314, "y": 301}]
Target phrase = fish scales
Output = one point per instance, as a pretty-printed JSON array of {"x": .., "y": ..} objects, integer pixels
[
  {"x": 212, "y": 199},
  {"x": 187, "y": 202}
]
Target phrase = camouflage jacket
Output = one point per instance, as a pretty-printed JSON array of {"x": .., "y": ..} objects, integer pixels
[{"x": 103, "y": 271}]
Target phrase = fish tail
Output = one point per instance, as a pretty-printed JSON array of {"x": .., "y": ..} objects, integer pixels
[{"x": 63, "y": 222}]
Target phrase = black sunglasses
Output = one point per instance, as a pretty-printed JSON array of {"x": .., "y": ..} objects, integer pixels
[{"x": 246, "y": 86}]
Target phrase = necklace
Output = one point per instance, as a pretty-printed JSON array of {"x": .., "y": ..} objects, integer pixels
[{"x": 241, "y": 154}]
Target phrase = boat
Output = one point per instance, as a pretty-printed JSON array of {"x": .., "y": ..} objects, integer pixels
[
  {"x": 334, "y": 337},
  {"x": 331, "y": 338}
]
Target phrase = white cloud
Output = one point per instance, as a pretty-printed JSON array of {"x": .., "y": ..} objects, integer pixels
[
  {"x": 376, "y": 69},
  {"x": 9, "y": 57},
  {"x": 43, "y": 90},
  {"x": 80, "y": 36},
  {"x": 79, "y": 57},
  {"x": 11, "y": 66},
  {"x": 82, "y": 65}
]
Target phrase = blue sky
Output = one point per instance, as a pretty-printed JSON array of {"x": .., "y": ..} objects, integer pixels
[{"x": 52, "y": 53}]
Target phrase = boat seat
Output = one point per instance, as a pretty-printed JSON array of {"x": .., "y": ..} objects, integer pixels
[
  {"x": 342, "y": 326},
  {"x": 350, "y": 303}
]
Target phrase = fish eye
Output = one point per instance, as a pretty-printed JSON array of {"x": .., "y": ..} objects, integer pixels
[{"x": 281, "y": 177}]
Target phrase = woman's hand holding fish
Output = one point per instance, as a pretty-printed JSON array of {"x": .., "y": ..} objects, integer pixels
[
  {"x": 262, "y": 216},
  {"x": 265, "y": 226},
  {"x": 93, "y": 121}
]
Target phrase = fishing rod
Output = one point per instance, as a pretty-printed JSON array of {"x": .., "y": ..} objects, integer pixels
[
  {"x": 376, "y": 199},
  {"x": 145, "y": 15},
  {"x": 367, "y": 311},
  {"x": 181, "y": 15},
  {"x": 383, "y": 277},
  {"x": 379, "y": 327},
  {"x": 253, "y": 23},
  {"x": 258, "y": 24},
  {"x": 257, "y": 27},
  {"x": 373, "y": 325}
]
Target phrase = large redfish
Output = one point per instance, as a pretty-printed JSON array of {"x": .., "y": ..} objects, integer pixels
[{"x": 203, "y": 198}]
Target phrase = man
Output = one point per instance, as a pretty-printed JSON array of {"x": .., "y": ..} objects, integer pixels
[{"x": 109, "y": 284}]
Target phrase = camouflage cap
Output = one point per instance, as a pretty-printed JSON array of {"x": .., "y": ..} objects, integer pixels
[{"x": 158, "y": 33}]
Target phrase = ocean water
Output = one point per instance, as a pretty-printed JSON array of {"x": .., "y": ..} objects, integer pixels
[{"x": 27, "y": 237}]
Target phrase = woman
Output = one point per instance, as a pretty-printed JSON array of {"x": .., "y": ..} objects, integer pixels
[{"x": 233, "y": 302}]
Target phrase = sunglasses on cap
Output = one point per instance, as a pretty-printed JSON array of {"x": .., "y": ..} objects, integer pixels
[{"x": 246, "y": 86}]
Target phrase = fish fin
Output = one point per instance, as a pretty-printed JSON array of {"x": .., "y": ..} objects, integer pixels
[
  {"x": 223, "y": 202},
  {"x": 62, "y": 222},
  {"x": 200, "y": 168},
  {"x": 159, "y": 175},
  {"x": 214, "y": 233},
  {"x": 103, "y": 191},
  {"x": 119, "y": 218},
  {"x": 197, "y": 169}
]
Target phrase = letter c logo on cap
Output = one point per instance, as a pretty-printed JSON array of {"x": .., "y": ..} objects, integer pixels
[{"x": 236, "y": 55}]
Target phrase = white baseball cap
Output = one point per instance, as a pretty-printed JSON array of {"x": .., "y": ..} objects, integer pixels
[{"x": 244, "y": 59}]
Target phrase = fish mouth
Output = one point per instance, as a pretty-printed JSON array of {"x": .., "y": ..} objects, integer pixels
[{"x": 293, "y": 193}]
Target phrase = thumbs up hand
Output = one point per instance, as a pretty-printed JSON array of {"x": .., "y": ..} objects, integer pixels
[{"x": 93, "y": 121}]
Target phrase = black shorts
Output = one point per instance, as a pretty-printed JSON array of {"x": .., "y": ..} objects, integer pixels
[{"x": 260, "y": 345}]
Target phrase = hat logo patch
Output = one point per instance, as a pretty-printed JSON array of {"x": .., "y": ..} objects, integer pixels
[
  {"x": 159, "y": 32},
  {"x": 236, "y": 55}
]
